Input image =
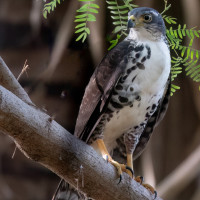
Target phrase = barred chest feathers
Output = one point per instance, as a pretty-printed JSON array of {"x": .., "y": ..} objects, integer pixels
[{"x": 139, "y": 90}]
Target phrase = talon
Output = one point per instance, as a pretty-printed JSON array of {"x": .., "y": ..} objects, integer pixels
[
  {"x": 120, "y": 179},
  {"x": 156, "y": 194},
  {"x": 142, "y": 179},
  {"x": 151, "y": 189},
  {"x": 139, "y": 179},
  {"x": 129, "y": 168}
]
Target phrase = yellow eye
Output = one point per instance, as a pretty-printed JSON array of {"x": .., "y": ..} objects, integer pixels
[{"x": 147, "y": 18}]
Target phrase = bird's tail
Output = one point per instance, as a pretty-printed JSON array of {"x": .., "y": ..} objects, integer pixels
[{"x": 65, "y": 191}]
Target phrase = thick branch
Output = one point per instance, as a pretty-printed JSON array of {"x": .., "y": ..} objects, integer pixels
[
  {"x": 42, "y": 139},
  {"x": 46, "y": 142}
]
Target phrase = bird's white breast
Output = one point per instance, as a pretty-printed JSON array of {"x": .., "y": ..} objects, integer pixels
[{"x": 149, "y": 84}]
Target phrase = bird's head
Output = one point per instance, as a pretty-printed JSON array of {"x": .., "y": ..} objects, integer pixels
[{"x": 146, "y": 23}]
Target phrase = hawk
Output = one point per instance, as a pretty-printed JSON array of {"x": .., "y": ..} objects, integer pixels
[{"x": 129, "y": 90}]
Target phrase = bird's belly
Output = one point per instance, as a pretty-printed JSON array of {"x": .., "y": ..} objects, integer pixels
[{"x": 129, "y": 117}]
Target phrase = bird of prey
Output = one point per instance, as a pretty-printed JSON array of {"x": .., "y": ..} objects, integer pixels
[{"x": 129, "y": 90}]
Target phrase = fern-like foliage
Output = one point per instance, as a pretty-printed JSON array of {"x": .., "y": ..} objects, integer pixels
[
  {"x": 48, "y": 7},
  {"x": 86, "y": 14},
  {"x": 119, "y": 15},
  {"x": 186, "y": 56}
]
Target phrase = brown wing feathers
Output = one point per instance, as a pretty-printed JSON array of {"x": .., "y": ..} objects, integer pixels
[{"x": 99, "y": 89}]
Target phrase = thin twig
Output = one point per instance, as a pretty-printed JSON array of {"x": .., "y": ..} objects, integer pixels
[
  {"x": 8, "y": 80},
  {"x": 24, "y": 69},
  {"x": 167, "y": 7}
]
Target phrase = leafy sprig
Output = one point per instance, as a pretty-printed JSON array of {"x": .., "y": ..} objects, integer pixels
[
  {"x": 119, "y": 16},
  {"x": 86, "y": 14},
  {"x": 186, "y": 56},
  {"x": 49, "y": 7}
]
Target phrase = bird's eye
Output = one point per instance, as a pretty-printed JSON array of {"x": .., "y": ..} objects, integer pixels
[{"x": 147, "y": 18}]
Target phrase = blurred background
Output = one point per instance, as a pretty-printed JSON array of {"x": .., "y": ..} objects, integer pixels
[{"x": 58, "y": 71}]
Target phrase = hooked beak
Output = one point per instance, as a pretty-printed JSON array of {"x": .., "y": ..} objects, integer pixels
[{"x": 131, "y": 22}]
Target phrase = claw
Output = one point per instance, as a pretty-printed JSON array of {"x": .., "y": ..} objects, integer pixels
[
  {"x": 128, "y": 168},
  {"x": 142, "y": 179},
  {"x": 120, "y": 179},
  {"x": 151, "y": 189},
  {"x": 156, "y": 194}
]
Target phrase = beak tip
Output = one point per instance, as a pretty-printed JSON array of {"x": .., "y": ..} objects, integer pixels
[{"x": 130, "y": 24}]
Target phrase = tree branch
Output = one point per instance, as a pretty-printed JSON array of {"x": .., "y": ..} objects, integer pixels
[
  {"x": 43, "y": 140},
  {"x": 8, "y": 81}
]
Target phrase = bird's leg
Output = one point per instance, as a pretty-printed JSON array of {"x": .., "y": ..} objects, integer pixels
[
  {"x": 131, "y": 141},
  {"x": 105, "y": 154},
  {"x": 130, "y": 164}
]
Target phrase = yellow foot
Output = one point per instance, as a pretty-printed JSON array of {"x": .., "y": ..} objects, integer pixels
[
  {"x": 140, "y": 179},
  {"x": 120, "y": 167},
  {"x": 151, "y": 189}
]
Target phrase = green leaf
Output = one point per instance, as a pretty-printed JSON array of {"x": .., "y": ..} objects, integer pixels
[
  {"x": 80, "y": 25},
  {"x": 173, "y": 20},
  {"x": 45, "y": 14},
  {"x": 191, "y": 42},
  {"x": 183, "y": 51},
  {"x": 179, "y": 31},
  {"x": 188, "y": 33},
  {"x": 80, "y": 30},
  {"x": 81, "y": 36},
  {"x": 197, "y": 54},
  {"x": 80, "y": 20},
  {"x": 192, "y": 54},
  {"x": 81, "y": 16},
  {"x": 175, "y": 33},
  {"x": 120, "y": 22},
  {"x": 120, "y": 17},
  {"x": 196, "y": 33},
  {"x": 175, "y": 87},
  {"x": 92, "y": 5},
  {"x": 188, "y": 52},
  {"x": 171, "y": 31},
  {"x": 121, "y": 12},
  {"x": 91, "y": 18},
  {"x": 84, "y": 37},
  {"x": 111, "y": 2},
  {"x": 87, "y": 30},
  {"x": 117, "y": 7},
  {"x": 191, "y": 34},
  {"x": 117, "y": 29},
  {"x": 183, "y": 32}
]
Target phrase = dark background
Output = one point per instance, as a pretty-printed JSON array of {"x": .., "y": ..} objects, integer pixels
[{"x": 25, "y": 34}]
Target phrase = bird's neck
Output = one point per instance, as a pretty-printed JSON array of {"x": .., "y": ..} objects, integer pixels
[{"x": 142, "y": 35}]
